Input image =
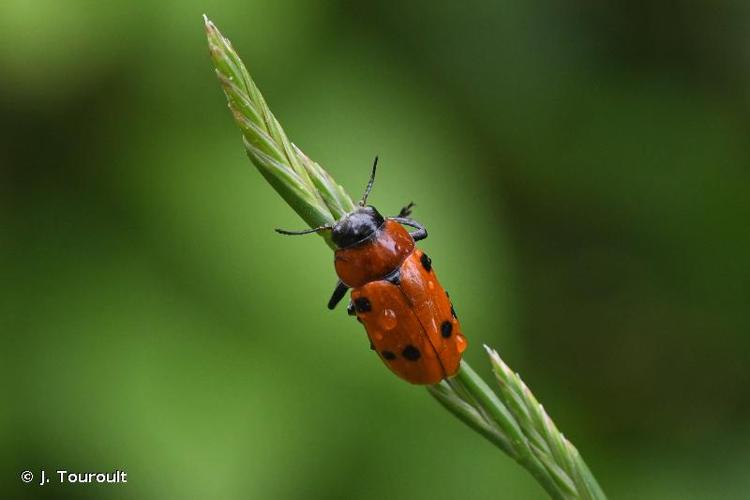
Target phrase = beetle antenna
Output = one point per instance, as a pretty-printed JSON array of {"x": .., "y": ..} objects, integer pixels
[
  {"x": 369, "y": 184},
  {"x": 304, "y": 231}
]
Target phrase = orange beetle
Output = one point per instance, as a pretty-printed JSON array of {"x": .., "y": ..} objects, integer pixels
[{"x": 408, "y": 316}]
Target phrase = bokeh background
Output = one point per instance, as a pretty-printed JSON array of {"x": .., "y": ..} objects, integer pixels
[{"x": 583, "y": 168}]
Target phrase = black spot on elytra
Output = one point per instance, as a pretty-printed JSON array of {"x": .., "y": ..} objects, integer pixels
[
  {"x": 411, "y": 353},
  {"x": 362, "y": 304},
  {"x": 446, "y": 329},
  {"x": 426, "y": 262},
  {"x": 388, "y": 355}
]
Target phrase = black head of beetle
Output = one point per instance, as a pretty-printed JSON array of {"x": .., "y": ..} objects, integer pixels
[{"x": 357, "y": 226}]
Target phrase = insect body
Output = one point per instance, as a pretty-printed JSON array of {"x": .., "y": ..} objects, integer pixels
[{"x": 408, "y": 315}]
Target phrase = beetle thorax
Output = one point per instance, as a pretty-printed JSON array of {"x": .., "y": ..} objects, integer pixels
[{"x": 375, "y": 256}]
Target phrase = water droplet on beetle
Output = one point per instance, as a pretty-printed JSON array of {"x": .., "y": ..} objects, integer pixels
[
  {"x": 461, "y": 343},
  {"x": 388, "y": 320}
]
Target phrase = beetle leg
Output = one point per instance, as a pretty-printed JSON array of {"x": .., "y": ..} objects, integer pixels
[
  {"x": 338, "y": 294},
  {"x": 419, "y": 234},
  {"x": 406, "y": 211}
]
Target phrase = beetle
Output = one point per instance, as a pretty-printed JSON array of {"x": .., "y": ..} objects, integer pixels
[{"x": 408, "y": 316}]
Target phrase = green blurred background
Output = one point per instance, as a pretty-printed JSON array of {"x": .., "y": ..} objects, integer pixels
[{"x": 584, "y": 170}]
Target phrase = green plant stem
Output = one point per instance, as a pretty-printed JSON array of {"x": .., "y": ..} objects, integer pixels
[
  {"x": 301, "y": 182},
  {"x": 503, "y": 418},
  {"x": 512, "y": 419}
]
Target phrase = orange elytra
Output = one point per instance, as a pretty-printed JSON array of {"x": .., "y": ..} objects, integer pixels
[{"x": 409, "y": 318}]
